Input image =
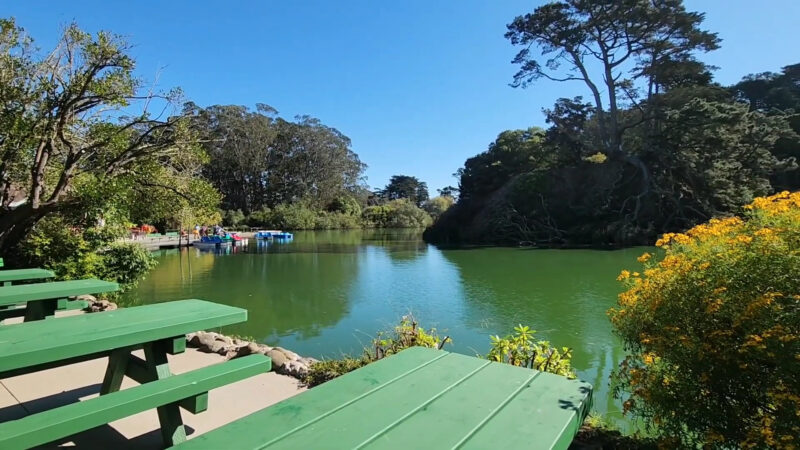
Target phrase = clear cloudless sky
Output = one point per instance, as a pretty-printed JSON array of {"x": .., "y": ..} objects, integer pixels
[{"x": 418, "y": 85}]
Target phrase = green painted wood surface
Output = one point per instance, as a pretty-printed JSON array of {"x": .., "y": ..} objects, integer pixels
[
  {"x": 25, "y": 274},
  {"x": 33, "y": 343},
  {"x": 419, "y": 398},
  {"x": 67, "y": 420},
  {"x": 11, "y": 295}
]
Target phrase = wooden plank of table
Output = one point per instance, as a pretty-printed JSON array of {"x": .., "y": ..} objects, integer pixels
[
  {"x": 12, "y": 295},
  {"x": 26, "y": 346},
  {"x": 419, "y": 398},
  {"x": 24, "y": 274}
]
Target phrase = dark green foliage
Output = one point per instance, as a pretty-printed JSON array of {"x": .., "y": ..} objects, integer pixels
[
  {"x": 401, "y": 213},
  {"x": 345, "y": 204},
  {"x": 125, "y": 263},
  {"x": 233, "y": 218},
  {"x": 659, "y": 147},
  {"x": 512, "y": 153},
  {"x": 259, "y": 160},
  {"x": 777, "y": 94},
  {"x": 342, "y": 213},
  {"x": 404, "y": 186}
]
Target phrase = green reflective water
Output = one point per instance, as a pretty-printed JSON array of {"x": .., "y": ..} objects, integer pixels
[{"x": 327, "y": 292}]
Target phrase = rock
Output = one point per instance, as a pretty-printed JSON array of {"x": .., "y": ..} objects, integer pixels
[
  {"x": 309, "y": 361},
  {"x": 250, "y": 348},
  {"x": 278, "y": 359},
  {"x": 283, "y": 361},
  {"x": 215, "y": 347},
  {"x": 289, "y": 354},
  {"x": 208, "y": 342},
  {"x": 294, "y": 368},
  {"x": 95, "y": 305}
]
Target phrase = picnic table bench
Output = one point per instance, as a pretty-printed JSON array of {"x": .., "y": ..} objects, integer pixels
[
  {"x": 7, "y": 277},
  {"x": 419, "y": 398},
  {"x": 43, "y": 299},
  {"x": 159, "y": 329}
]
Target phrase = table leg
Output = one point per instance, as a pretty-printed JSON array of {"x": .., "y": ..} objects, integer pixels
[
  {"x": 172, "y": 430},
  {"x": 40, "y": 309},
  {"x": 117, "y": 366}
]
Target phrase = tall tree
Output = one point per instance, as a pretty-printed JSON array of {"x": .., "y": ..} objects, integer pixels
[
  {"x": 79, "y": 130},
  {"x": 405, "y": 186},
  {"x": 623, "y": 51},
  {"x": 313, "y": 162},
  {"x": 512, "y": 153},
  {"x": 238, "y": 143},
  {"x": 777, "y": 94}
]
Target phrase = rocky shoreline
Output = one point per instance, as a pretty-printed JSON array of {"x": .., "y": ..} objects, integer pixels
[{"x": 285, "y": 362}]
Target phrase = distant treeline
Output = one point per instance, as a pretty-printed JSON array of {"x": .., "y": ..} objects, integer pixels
[{"x": 659, "y": 147}]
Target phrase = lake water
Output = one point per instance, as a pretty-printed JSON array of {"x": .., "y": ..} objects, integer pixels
[{"x": 326, "y": 293}]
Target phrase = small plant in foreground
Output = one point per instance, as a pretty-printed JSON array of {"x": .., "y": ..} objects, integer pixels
[
  {"x": 519, "y": 349},
  {"x": 329, "y": 369},
  {"x": 406, "y": 334}
]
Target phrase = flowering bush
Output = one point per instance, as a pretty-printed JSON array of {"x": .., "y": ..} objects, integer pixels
[{"x": 713, "y": 331}]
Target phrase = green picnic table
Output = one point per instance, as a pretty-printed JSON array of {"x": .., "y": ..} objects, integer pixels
[
  {"x": 158, "y": 329},
  {"x": 419, "y": 398},
  {"x": 43, "y": 298},
  {"x": 9, "y": 276}
]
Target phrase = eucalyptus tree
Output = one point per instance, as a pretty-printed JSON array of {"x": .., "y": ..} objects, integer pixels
[
  {"x": 81, "y": 132},
  {"x": 313, "y": 162}
]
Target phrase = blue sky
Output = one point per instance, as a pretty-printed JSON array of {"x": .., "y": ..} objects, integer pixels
[{"x": 419, "y": 86}]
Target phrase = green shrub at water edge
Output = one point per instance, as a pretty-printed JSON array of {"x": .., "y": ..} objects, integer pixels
[
  {"x": 125, "y": 263},
  {"x": 406, "y": 334},
  {"x": 519, "y": 349},
  {"x": 74, "y": 252}
]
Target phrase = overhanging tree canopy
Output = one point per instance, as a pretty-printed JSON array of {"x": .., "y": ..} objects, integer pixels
[{"x": 80, "y": 130}]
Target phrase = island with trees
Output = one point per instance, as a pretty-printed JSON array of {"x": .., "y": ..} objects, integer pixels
[{"x": 656, "y": 145}]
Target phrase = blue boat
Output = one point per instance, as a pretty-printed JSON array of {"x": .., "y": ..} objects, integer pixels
[
  {"x": 273, "y": 234},
  {"x": 265, "y": 234}
]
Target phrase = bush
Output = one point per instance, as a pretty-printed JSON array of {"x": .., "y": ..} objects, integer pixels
[
  {"x": 329, "y": 369},
  {"x": 400, "y": 213},
  {"x": 260, "y": 218},
  {"x": 345, "y": 205},
  {"x": 713, "y": 331},
  {"x": 233, "y": 218},
  {"x": 125, "y": 263},
  {"x": 73, "y": 252},
  {"x": 438, "y": 205},
  {"x": 519, "y": 349},
  {"x": 406, "y": 334},
  {"x": 295, "y": 216}
]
